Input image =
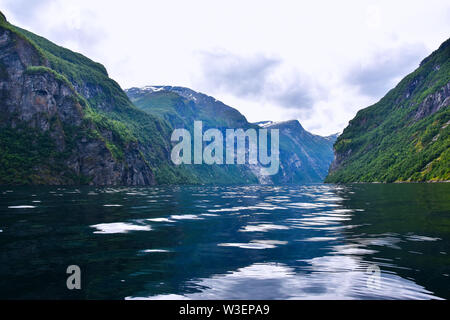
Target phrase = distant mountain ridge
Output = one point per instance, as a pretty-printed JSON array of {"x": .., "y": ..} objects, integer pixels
[
  {"x": 304, "y": 157},
  {"x": 206, "y": 106}
]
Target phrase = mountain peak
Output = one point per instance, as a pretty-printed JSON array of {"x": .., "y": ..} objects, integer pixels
[
  {"x": 333, "y": 137},
  {"x": 181, "y": 91},
  {"x": 288, "y": 124}
]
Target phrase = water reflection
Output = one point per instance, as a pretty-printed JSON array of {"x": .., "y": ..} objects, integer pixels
[
  {"x": 119, "y": 227},
  {"x": 333, "y": 277},
  {"x": 227, "y": 242}
]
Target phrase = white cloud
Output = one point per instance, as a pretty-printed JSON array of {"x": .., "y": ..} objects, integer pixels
[{"x": 311, "y": 48}]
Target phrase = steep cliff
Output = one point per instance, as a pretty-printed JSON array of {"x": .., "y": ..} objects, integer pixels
[
  {"x": 64, "y": 121},
  {"x": 406, "y": 135}
]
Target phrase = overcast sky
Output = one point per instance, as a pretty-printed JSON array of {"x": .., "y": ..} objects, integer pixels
[{"x": 315, "y": 61}]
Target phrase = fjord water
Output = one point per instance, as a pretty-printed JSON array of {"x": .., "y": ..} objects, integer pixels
[{"x": 227, "y": 242}]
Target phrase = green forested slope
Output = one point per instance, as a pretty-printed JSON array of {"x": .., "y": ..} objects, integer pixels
[
  {"x": 406, "y": 135},
  {"x": 109, "y": 117}
]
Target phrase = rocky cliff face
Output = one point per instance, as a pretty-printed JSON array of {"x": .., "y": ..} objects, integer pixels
[
  {"x": 406, "y": 135},
  {"x": 433, "y": 103},
  {"x": 39, "y": 106}
]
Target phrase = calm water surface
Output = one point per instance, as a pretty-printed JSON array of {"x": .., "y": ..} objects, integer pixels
[{"x": 229, "y": 242}]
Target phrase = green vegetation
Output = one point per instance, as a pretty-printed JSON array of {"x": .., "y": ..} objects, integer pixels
[
  {"x": 34, "y": 70},
  {"x": 180, "y": 112},
  {"x": 108, "y": 113},
  {"x": 30, "y": 156},
  {"x": 399, "y": 139}
]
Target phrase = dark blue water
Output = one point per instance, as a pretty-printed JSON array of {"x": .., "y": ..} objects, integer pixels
[{"x": 229, "y": 242}]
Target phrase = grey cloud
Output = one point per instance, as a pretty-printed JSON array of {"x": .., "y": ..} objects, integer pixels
[
  {"x": 237, "y": 75},
  {"x": 297, "y": 93},
  {"x": 377, "y": 77},
  {"x": 252, "y": 77}
]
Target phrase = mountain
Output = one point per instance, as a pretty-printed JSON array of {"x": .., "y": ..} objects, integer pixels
[
  {"x": 304, "y": 157},
  {"x": 404, "y": 137},
  {"x": 64, "y": 121},
  {"x": 180, "y": 107}
]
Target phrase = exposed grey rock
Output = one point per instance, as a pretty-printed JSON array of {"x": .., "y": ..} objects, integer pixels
[{"x": 433, "y": 103}]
